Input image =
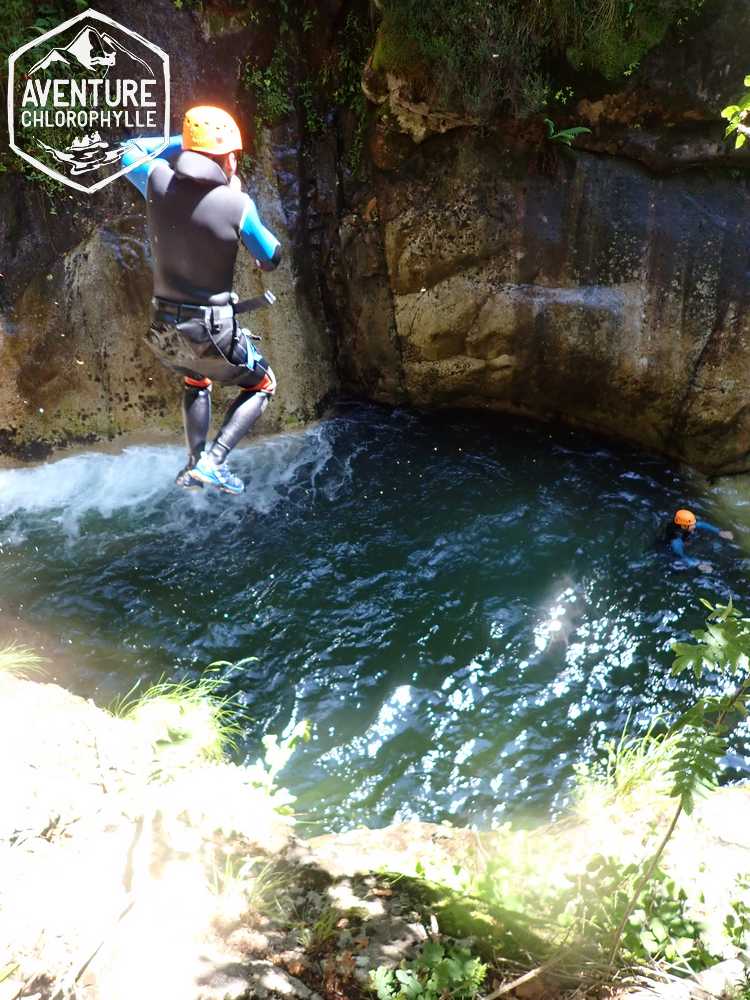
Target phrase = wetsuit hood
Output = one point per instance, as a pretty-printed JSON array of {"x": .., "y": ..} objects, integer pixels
[{"x": 200, "y": 168}]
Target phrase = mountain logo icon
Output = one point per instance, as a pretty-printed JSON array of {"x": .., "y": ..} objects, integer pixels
[{"x": 94, "y": 50}]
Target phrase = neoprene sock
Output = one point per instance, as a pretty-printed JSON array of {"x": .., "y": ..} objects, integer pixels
[
  {"x": 196, "y": 414},
  {"x": 239, "y": 421}
]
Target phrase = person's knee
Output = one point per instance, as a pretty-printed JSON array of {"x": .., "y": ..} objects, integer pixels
[
  {"x": 267, "y": 385},
  {"x": 197, "y": 383}
]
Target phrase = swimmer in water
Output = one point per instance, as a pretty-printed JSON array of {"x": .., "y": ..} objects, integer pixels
[{"x": 683, "y": 530}]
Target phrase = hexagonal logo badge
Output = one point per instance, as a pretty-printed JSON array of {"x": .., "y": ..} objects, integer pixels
[{"x": 78, "y": 93}]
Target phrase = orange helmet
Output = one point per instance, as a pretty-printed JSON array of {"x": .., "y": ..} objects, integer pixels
[
  {"x": 206, "y": 129},
  {"x": 684, "y": 519}
]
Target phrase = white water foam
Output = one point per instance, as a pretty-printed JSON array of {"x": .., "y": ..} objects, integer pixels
[
  {"x": 83, "y": 483},
  {"x": 139, "y": 477}
]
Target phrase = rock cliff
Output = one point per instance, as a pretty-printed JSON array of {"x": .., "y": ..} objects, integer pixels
[{"x": 605, "y": 287}]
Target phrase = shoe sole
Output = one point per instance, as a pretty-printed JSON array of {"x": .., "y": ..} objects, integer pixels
[
  {"x": 186, "y": 482},
  {"x": 212, "y": 482}
]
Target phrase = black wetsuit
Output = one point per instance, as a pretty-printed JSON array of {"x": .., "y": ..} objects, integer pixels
[
  {"x": 196, "y": 221},
  {"x": 677, "y": 538}
]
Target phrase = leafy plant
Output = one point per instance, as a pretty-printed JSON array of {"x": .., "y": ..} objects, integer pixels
[
  {"x": 438, "y": 972},
  {"x": 613, "y": 36},
  {"x": 271, "y": 86},
  {"x": 737, "y": 921},
  {"x": 566, "y": 135},
  {"x": 695, "y": 767},
  {"x": 724, "y": 647},
  {"x": 635, "y": 913},
  {"x": 299, "y": 77},
  {"x": 315, "y": 937},
  {"x": 736, "y": 115},
  {"x": 657, "y": 929}
]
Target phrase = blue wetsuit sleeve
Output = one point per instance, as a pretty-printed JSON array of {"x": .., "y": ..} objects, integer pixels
[
  {"x": 705, "y": 526},
  {"x": 135, "y": 149},
  {"x": 261, "y": 243},
  {"x": 678, "y": 547}
]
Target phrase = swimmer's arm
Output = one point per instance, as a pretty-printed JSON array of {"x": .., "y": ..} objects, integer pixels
[
  {"x": 678, "y": 548},
  {"x": 713, "y": 530},
  {"x": 135, "y": 149},
  {"x": 705, "y": 526},
  {"x": 260, "y": 241}
]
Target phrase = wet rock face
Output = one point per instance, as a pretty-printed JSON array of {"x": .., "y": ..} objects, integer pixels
[
  {"x": 75, "y": 367},
  {"x": 597, "y": 293},
  {"x": 605, "y": 288},
  {"x": 76, "y": 286}
]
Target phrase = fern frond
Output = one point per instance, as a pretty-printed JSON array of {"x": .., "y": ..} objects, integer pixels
[{"x": 696, "y": 765}]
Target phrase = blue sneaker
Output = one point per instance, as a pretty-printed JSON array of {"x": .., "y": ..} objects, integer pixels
[
  {"x": 206, "y": 471},
  {"x": 186, "y": 481}
]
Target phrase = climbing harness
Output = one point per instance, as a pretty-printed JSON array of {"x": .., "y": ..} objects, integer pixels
[{"x": 207, "y": 340}]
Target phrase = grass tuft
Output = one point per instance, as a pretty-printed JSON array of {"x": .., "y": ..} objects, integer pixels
[
  {"x": 20, "y": 661},
  {"x": 634, "y": 770},
  {"x": 186, "y": 721}
]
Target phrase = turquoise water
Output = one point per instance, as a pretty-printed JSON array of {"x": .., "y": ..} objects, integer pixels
[{"x": 463, "y": 607}]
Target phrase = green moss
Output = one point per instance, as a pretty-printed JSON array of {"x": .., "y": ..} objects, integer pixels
[
  {"x": 623, "y": 33},
  {"x": 482, "y": 57}
]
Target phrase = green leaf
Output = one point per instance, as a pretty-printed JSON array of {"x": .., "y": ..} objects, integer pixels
[
  {"x": 695, "y": 764},
  {"x": 576, "y": 130},
  {"x": 746, "y": 81},
  {"x": 695, "y": 716},
  {"x": 658, "y": 929},
  {"x": 730, "y": 111},
  {"x": 649, "y": 942},
  {"x": 410, "y": 985},
  {"x": 382, "y": 981},
  {"x": 7, "y": 971},
  {"x": 740, "y": 141},
  {"x": 432, "y": 953},
  {"x": 683, "y": 946},
  {"x": 688, "y": 656}
]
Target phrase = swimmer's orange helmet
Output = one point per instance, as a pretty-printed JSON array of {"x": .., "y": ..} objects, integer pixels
[{"x": 684, "y": 519}]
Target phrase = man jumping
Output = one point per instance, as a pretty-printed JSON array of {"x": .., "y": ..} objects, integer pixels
[{"x": 197, "y": 214}]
